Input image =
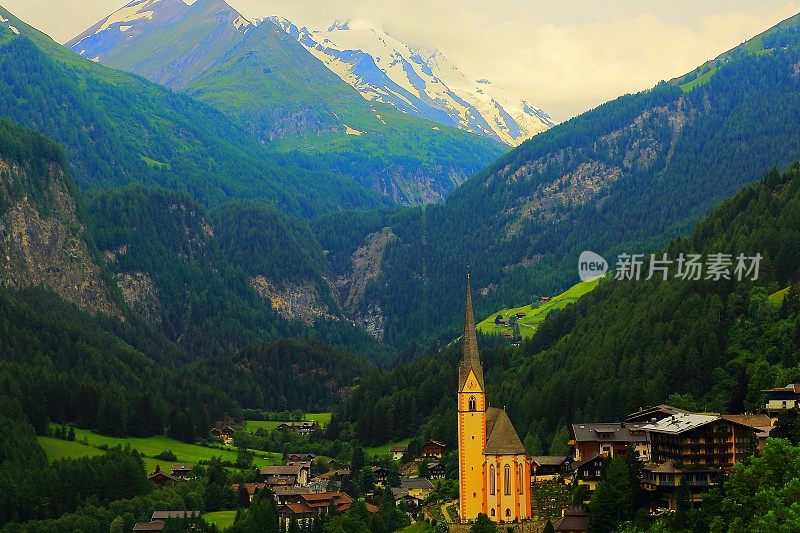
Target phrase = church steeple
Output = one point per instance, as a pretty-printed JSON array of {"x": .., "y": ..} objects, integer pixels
[{"x": 470, "y": 358}]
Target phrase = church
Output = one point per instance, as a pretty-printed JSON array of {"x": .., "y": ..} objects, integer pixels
[{"x": 494, "y": 471}]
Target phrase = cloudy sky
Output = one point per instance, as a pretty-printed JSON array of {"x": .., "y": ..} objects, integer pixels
[{"x": 565, "y": 56}]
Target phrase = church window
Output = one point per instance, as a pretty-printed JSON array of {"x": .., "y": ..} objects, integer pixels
[
  {"x": 491, "y": 479},
  {"x": 507, "y": 480},
  {"x": 472, "y": 403},
  {"x": 508, "y": 513},
  {"x": 519, "y": 478},
  {"x": 492, "y": 511}
]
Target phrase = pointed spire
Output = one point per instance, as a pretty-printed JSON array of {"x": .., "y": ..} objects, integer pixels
[{"x": 470, "y": 358}]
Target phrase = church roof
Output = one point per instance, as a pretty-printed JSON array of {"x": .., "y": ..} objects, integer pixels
[
  {"x": 470, "y": 359},
  {"x": 502, "y": 438}
]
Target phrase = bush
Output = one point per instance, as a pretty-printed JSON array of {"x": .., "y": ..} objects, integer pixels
[{"x": 167, "y": 455}]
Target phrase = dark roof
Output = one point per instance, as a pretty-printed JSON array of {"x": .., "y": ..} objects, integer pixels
[
  {"x": 155, "y": 525},
  {"x": 611, "y": 431},
  {"x": 576, "y": 466},
  {"x": 435, "y": 443},
  {"x": 750, "y": 420},
  {"x": 415, "y": 483},
  {"x": 549, "y": 460},
  {"x": 502, "y": 438},
  {"x": 283, "y": 470},
  {"x": 163, "y": 476},
  {"x": 398, "y": 449},
  {"x": 573, "y": 521},
  {"x": 655, "y": 411},
  {"x": 182, "y": 468},
  {"x": 470, "y": 358},
  {"x": 164, "y": 515}
]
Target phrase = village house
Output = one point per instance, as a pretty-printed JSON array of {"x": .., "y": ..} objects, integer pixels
[
  {"x": 223, "y": 432},
  {"x": 418, "y": 487},
  {"x": 303, "y": 428},
  {"x": 695, "y": 439},
  {"x": 544, "y": 299},
  {"x": 780, "y": 399},
  {"x": 284, "y": 495},
  {"x": 293, "y": 475},
  {"x": 572, "y": 521},
  {"x": 661, "y": 481},
  {"x": 311, "y": 506},
  {"x": 588, "y": 472},
  {"x": 608, "y": 440},
  {"x": 380, "y": 474},
  {"x": 182, "y": 471},
  {"x": 436, "y": 470},
  {"x": 413, "y": 503},
  {"x": 300, "y": 457},
  {"x": 167, "y": 515},
  {"x": 250, "y": 488},
  {"x": 160, "y": 478},
  {"x": 549, "y": 467},
  {"x": 433, "y": 448},
  {"x": 397, "y": 452}
]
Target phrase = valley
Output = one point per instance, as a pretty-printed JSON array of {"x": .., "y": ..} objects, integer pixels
[{"x": 235, "y": 254}]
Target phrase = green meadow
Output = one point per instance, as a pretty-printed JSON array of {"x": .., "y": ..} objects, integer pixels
[
  {"x": 384, "y": 450},
  {"x": 320, "y": 418},
  {"x": 535, "y": 313},
  {"x": 148, "y": 447}
]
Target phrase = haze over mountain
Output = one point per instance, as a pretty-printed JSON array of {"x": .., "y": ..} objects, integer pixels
[
  {"x": 286, "y": 98},
  {"x": 419, "y": 81}
]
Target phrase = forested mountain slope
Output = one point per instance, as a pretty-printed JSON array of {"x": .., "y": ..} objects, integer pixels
[
  {"x": 629, "y": 344},
  {"x": 120, "y": 129},
  {"x": 161, "y": 330},
  {"x": 215, "y": 283},
  {"x": 285, "y": 97},
  {"x": 628, "y": 175}
]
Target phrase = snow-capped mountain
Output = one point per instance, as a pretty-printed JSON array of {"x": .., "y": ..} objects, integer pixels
[{"x": 421, "y": 82}]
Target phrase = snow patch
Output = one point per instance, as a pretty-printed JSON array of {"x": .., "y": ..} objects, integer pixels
[
  {"x": 96, "y": 59},
  {"x": 15, "y": 30},
  {"x": 241, "y": 22},
  {"x": 351, "y": 131},
  {"x": 129, "y": 13},
  {"x": 3, "y": 19},
  {"x": 123, "y": 29}
]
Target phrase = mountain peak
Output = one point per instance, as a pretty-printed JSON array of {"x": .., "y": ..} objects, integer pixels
[
  {"x": 420, "y": 81},
  {"x": 339, "y": 25}
]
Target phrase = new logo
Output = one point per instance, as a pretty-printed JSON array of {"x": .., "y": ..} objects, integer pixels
[{"x": 591, "y": 266}]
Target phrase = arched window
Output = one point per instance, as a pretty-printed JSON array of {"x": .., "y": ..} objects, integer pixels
[
  {"x": 472, "y": 403},
  {"x": 508, "y": 513},
  {"x": 491, "y": 480},
  {"x": 507, "y": 480},
  {"x": 520, "y": 484},
  {"x": 492, "y": 512}
]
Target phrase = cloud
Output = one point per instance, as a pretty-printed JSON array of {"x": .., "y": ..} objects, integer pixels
[{"x": 565, "y": 56}]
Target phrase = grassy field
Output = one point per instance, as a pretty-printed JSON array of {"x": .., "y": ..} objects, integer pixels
[
  {"x": 254, "y": 425},
  {"x": 222, "y": 519},
  {"x": 384, "y": 450},
  {"x": 535, "y": 313},
  {"x": 149, "y": 447},
  {"x": 61, "y": 449},
  {"x": 776, "y": 298}
]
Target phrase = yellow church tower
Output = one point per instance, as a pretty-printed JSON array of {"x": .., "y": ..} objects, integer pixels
[
  {"x": 471, "y": 420},
  {"x": 494, "y": 471}
]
